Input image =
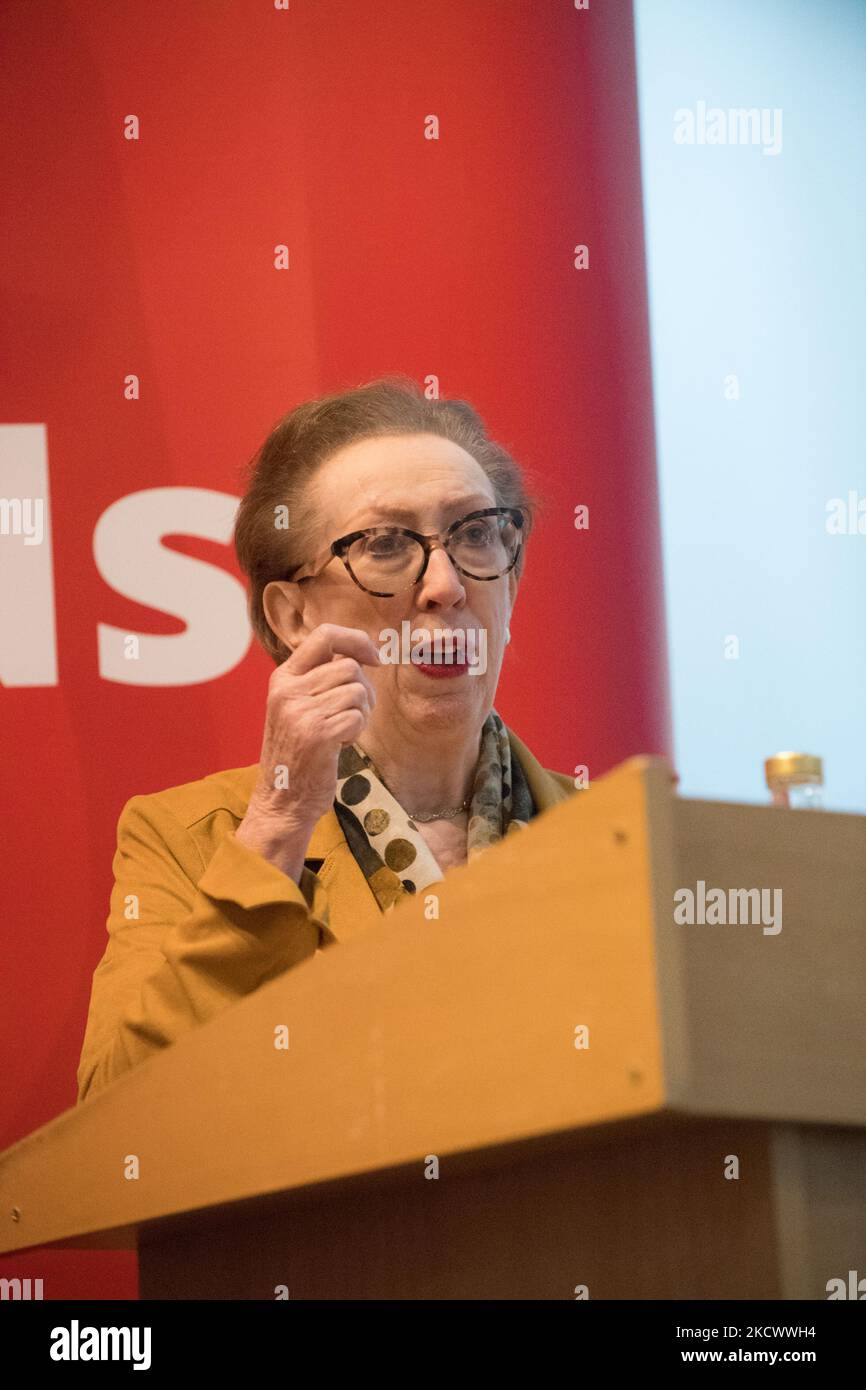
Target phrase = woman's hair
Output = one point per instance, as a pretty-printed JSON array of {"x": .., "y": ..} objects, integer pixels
[{"x": 280, "y": 473}]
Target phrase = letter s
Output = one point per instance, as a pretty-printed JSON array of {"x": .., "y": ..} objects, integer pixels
[{"x": 130, "y": 557}]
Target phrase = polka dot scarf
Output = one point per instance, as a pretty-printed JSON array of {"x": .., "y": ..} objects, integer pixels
[{"x": 390, "y": 850}]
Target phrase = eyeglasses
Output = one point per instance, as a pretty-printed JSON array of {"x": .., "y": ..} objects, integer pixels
[{"x": 386, "y": 560}]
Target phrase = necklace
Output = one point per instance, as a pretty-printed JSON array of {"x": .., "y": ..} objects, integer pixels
[
  {"x": 442, "y": 815},
  {"x": 448, "y": 814}
]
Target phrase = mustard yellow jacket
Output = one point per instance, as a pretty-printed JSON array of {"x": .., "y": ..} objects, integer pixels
[{"x": 198, "y": 920}]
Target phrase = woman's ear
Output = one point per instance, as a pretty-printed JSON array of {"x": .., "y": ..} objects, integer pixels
[{"x": 283, "y": 605}]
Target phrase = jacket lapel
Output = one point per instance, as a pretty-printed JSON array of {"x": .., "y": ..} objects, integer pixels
[{"x": 548, "y": 788}]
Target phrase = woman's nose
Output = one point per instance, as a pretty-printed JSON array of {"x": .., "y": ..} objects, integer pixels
[{"x": 440, "y": 577}]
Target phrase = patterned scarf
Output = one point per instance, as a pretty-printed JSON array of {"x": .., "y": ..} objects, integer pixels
[{"x": 392, "y": 854}]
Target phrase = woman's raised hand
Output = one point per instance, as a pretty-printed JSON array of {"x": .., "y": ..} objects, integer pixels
[{"x": 319, "y": 700}]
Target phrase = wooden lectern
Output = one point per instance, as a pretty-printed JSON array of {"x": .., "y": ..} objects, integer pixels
[{"x": 551, "y": 1089}]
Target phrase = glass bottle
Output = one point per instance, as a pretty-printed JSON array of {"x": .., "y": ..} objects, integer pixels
[{"x": 796, "y": 781}]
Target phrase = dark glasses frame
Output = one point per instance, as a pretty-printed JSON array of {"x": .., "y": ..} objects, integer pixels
[{"x": 338, "y": 548}]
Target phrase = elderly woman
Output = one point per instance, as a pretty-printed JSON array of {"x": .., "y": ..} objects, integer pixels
[{"x": 371, "y": 517}]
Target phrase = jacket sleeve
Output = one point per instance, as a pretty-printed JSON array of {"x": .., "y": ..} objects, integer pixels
[{"x": 185, "y": 944}]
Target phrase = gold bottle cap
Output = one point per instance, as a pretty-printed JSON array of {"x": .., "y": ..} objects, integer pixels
[{"x": 794, "y": 768}]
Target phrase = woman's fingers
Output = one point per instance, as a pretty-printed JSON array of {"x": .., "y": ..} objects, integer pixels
[{"x": 327, "y": 641}]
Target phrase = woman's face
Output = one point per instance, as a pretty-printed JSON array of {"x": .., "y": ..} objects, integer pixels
[{"x": 423, "y": 482}]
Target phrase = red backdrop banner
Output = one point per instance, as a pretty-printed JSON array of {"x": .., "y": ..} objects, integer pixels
[{"x": 430, "y": 172}]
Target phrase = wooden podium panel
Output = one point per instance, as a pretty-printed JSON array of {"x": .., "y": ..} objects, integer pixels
[
  {"x": 768, "y": 1025},
  {"x": 628, "y": 1211}
]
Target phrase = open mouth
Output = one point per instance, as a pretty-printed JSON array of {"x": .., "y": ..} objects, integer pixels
[{"x": 441, "y": 669}]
